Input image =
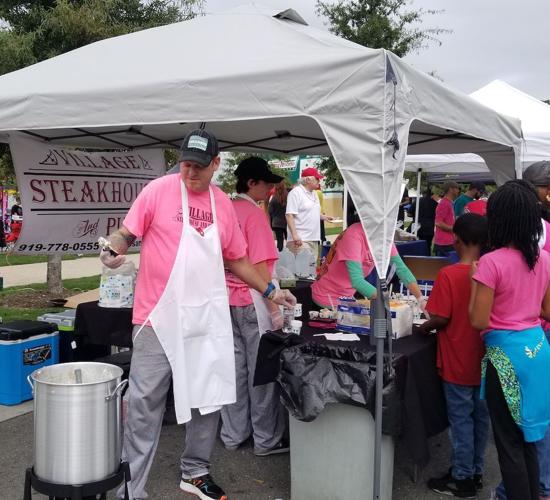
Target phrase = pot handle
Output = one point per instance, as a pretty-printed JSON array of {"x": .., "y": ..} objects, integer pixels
[
  {"x": 29, "y": 380},
  {"x": 115, "y": 393}
]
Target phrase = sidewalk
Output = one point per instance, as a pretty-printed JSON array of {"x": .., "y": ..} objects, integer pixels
[{"x": 37, "y": 273}]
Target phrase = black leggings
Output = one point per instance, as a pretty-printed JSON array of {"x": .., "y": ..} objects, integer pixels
[
  {"x": 280, "y": 234},
  {"x": 518, "y": 461}
]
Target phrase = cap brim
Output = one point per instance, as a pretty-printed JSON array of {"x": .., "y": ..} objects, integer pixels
[
  {"x": 273, "y": 178},
  {"x": 202, "y": 159}
]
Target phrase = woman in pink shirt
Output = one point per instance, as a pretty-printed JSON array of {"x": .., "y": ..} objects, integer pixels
[
  {"x": 444, "y": 220},
  {"x": 509, "y": 291},
  {"x": 347, "y": 265}
]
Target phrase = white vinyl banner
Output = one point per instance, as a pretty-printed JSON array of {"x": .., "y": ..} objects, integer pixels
[{"x": 71, "y": 197}]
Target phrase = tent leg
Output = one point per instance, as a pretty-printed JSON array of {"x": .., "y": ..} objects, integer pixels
[
  {"x": 418, "y": 194},
  {"x": 345, "y": 208},
  {"x": 379, "y": 329}
]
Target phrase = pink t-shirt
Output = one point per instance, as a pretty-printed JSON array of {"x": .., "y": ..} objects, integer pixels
[
  {"x": 518, "y": 292},
  {"x": 156, "y": 217},
  {"x": 444, "y": 213},
  {"x": 335, "y": 282},
  {"x": 261, "y": 247}
]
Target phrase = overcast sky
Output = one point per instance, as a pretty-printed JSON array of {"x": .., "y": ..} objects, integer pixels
[{"x": 491, "y": 39}]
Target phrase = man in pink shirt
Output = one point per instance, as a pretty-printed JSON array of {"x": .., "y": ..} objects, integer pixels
[
  {"x": 182, "y": 330},
  {"x": 445, "y": 219},
  {"x": 258, "y": 410}
]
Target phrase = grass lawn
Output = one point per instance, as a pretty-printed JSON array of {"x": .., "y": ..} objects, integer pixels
[
  {"x": 76, "y": 285},
  {"x": 10, "y": 314},
  {"x": 8, "y": 259},
  {"x": 12, "y": 297},
  {"x": 333, "y": 230}
]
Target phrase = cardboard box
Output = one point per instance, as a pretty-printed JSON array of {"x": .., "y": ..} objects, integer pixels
[{"x": 425, "y": 268}]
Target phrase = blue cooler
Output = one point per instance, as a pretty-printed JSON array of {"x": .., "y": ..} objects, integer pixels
[{"x": 25, "y": 346}]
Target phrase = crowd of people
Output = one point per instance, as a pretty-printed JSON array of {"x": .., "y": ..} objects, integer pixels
[{"x": 200, "y": 310}]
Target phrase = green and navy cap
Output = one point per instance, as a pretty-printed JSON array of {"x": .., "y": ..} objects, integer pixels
[{"x": 199, "y": 146}]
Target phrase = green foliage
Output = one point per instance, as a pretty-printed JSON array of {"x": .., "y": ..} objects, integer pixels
[
  {"x": 387, "y": 24},
  {"x": 39, "y": 29},
  {"x": 328, "y": 168},
  {"x": 170, "y": 157}
]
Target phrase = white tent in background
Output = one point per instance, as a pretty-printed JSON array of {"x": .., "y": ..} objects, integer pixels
[
  {"x": 261, "y": 80},
  {"x": 503, "y": 98}
]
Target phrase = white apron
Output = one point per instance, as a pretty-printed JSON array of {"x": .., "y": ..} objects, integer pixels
[
  {"x": 193, "y": 324},
  {"x": 260, "y": 304}
]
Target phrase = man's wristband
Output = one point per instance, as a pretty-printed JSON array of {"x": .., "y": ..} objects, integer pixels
[{"x": 269, "y": 290}]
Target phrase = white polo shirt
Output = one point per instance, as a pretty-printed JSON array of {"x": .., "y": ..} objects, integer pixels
[{"x": 305, "y": 207}]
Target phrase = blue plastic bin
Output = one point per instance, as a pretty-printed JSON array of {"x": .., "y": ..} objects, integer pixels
[{"x": 25, "y": 346}]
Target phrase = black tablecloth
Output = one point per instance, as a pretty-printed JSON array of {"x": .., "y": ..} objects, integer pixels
[
  {"x": 101, "y": 326},
  {"x": 422, "y": 412}
]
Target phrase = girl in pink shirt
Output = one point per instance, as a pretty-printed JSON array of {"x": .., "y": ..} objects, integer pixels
[
  {"x": 347, "y": 265},
  {"x": 509, "y": 290}
]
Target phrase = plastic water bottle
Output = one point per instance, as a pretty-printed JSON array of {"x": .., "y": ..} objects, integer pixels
[
  {"x": 286, "y": 261},
  {"x": 288, "y": 318},
  {"x": 306, "y": 264}
]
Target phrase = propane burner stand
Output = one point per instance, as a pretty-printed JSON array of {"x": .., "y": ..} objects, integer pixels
[{"x": 77, "y": 491}]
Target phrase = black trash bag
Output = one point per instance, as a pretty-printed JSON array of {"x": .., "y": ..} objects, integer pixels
[{"x": 313, "y": 375}]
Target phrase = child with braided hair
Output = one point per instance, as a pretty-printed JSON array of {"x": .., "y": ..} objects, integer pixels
[{"x": 509, "y": 294}]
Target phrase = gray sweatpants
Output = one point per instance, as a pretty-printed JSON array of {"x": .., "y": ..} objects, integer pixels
[
  {"x": 148, "y": 384},
  {"x": 258, "y": 410}
]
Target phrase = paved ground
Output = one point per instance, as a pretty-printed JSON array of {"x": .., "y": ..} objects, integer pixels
[
  {"x": 244, "y": 476},
  {"x": 36, "y": 273}
]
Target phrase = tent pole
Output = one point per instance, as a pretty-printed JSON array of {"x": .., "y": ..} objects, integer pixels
[
  {"x": 379, "y": 326},
  {"x": 345, "y": 209},
  {"x": 418, "y": 194}
]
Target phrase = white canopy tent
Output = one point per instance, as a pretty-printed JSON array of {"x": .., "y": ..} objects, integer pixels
[
  {"x": 261, "y": 81},
  {"x": 503, "y": 98}
]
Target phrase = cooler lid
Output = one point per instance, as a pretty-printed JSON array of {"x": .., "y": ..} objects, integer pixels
[{"x": 24, "y": 328}]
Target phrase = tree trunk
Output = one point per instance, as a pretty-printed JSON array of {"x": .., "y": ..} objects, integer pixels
[{"x": 55, "y": 284}]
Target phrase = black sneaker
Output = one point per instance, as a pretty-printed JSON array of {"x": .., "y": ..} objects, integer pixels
[
  {"x": 478, "y": 481},
  {"x": 204, "y": 487},
  {"x": 281, "y": 447},
  {"x": 448, "y": 485}
]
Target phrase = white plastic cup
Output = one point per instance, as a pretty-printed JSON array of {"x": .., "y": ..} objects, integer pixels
[
  {"x": 296, "y": 326},
  {"x": 297, "y": 310}
]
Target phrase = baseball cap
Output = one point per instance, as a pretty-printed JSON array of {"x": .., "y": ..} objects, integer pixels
[
  {"x": 257, "y": 169},
  {"x": 199, "y": 146},
  {"x": 538, "y": 173},
  {"x": 312, "y": 172}
]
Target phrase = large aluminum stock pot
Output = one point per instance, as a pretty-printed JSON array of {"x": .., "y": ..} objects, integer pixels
[{"x": 77, "y": 422}]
